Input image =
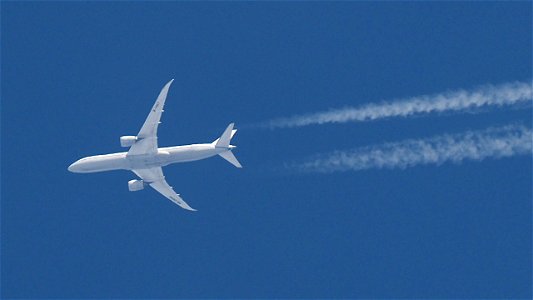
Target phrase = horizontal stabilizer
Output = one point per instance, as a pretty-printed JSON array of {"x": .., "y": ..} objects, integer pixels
[{"x": 228, "y": 155}]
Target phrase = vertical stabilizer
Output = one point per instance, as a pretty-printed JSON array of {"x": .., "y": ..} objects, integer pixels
[{"x": 225, "y": 138}]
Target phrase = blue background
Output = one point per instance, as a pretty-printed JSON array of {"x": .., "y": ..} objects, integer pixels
[{"x": 77, "y": 76}]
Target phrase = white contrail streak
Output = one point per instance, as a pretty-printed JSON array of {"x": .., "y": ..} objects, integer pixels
[
  {"x": 453, "y": 101},
  {"x": 496, "y": 142}
]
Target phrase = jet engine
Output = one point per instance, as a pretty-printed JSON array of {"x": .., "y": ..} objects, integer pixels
[
  {"x": 135, "y": 185},
  {"x": 127, "y": 140}
]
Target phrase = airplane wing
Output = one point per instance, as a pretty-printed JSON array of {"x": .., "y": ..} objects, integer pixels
[
  {"x": 147, "y": 137},
  {"x": 155, "y": 178}
]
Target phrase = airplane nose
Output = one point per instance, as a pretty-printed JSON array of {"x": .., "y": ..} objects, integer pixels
[{"x": 73, "y": 167}]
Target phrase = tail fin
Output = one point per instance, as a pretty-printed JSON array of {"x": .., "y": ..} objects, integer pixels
[
  {"x": 225, "y": 138},
  {"x": 224, "y": 142},
  {"x": 228, "y": 155}
]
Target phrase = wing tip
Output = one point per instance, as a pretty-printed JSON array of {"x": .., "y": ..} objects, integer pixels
[{"x": 187, "y": 207}]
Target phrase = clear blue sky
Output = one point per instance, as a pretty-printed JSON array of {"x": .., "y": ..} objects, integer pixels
[{"x": 77, "y": 76}]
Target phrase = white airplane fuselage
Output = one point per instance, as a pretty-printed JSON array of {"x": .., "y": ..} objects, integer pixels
[
  {"x": 164, "y": 156},
  {"x": 146, "y": 159}
]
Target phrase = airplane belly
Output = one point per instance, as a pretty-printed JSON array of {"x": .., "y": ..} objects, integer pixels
[
  {"x": 190, "y": 155},
  {"x": 148, "y": 161},
  {"x": 101, "y": 163},
  {"x": 115, "y": 164}
]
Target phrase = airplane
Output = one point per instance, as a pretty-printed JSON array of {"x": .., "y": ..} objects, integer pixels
[{"x": 145, "y": 159}]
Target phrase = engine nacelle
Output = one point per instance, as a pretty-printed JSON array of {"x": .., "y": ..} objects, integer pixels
[
  {"x": 127, "y": 140},
  {"x": 135, "y": 185}
]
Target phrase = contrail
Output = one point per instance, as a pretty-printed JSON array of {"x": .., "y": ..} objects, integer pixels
[
  {"x": 495, "y": 142},
  {"x": 453, "y": 101}
]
